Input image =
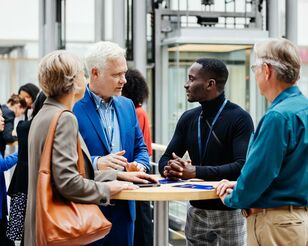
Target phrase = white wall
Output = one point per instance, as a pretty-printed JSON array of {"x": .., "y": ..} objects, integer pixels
[
  {"x": 80, "y": 20},
  {"x": 18, "y": 19},
  {"x": 302, "y": 22}
]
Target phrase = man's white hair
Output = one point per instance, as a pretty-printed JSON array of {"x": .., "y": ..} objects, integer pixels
[
  {"x": 283, "y": 55},
  {"x": 101, "y": 52}
]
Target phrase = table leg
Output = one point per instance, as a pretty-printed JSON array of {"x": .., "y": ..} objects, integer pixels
[{"x": 161, "y": 223}]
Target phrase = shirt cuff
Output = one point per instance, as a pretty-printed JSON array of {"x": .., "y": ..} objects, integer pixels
[
  {"x": 227, "y": 200},
  {"x": 144, "y": 167},
  {"x": 94, "y": 163}
]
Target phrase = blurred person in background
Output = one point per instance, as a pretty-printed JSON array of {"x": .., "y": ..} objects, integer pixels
[
  {"x": 18, "y": 188},
  {"x": 137, "y": 90},
  {"x": 15, "y": 107},
  {"x": 272, "y": 189},
  {"x": 28, "y": 92},
  {"x": 5, "y": 164}
]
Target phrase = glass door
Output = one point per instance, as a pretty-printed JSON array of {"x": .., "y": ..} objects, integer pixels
[{"x": 236, "y": 90}]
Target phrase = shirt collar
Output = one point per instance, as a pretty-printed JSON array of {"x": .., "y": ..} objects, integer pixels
[
  {"x": 53, "y": 101},
  {"x": 99, "y": 101},
  {"x": 285, "y": 94}
]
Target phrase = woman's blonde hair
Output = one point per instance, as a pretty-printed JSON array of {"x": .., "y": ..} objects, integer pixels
[
  {"x": 57, "y": 73},
  {"x": 282, "y": 55}
]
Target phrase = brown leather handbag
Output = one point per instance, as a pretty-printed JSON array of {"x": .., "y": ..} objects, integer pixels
[{"x": 59, "y": 221}]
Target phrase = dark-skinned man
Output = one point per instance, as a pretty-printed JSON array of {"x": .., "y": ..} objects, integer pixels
[{"x": 216, "y": 135}]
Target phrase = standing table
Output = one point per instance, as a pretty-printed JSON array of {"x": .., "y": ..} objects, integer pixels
[{"x": 161, "y": 196}]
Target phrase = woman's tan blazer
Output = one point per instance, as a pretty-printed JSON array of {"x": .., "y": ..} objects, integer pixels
[{"x": 64, "y": 164}]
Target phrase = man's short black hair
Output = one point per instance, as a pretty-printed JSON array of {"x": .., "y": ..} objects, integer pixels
[
  {"x": 136, "y": 88},
  {"x": 215, "y": 69}
]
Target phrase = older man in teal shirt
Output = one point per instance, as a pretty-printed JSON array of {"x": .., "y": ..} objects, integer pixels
[{"x": 272, "y": 189}]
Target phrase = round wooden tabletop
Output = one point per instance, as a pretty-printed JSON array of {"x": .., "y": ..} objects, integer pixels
[{"x": 167, "y": 192}]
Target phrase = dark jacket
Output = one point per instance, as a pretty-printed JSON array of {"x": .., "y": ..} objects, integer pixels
[
  {"x": 19, "y": 182},
  {"x": 9, "y": 117}
]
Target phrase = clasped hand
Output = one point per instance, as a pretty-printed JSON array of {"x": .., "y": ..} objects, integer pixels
[{"x": 178, "y": 168}]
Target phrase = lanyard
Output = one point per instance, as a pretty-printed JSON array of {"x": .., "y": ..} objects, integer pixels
[
  {"x": 108, "y": 125},
  {"x": 211, "y": 129}
]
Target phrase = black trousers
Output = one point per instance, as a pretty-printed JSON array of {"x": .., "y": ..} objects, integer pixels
[
  {"x": 143, "y": 225},
  {"x": 3, "y": 239}
]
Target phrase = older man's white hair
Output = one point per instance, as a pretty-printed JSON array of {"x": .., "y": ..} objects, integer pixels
[{"x": 101, "y": 52}]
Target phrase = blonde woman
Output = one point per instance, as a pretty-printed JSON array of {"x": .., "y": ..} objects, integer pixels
[{"x": 61, "y": 78}]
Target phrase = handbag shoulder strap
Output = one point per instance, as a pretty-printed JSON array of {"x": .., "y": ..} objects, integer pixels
[
  {"x": 45, "y": 162},
  {"x": 80, "y": 162}
]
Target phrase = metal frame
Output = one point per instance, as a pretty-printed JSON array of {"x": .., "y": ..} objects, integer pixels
[
  {"x": 193, "y": 35},
  {"x": 51, "y": 25}
]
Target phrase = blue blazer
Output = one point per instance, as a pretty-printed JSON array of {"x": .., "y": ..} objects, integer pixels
[
  {"x": 131, "y": 136},
  {"x": 5, "y": 164}
]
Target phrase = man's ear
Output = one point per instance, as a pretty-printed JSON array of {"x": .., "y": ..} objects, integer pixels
[
  {"x": 211, "y": 84},
  {"x": 268, "y": 71},
  {"x": 94, "y": 72}
]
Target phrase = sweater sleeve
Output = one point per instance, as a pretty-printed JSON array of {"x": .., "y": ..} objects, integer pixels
[
  {"x": 7, "y": 162},
  {"x": 9, "y": 117},
  {"x": 176, "y": 145}
]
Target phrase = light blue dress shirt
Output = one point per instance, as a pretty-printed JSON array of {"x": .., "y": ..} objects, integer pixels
[
  {"x": 276, "y": 169},
  {"x": 109, "y": 123}
]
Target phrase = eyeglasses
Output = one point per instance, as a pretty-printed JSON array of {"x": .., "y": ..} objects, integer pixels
[
  {"x": 269, "y": 61},
  {"x": 254, "y": 67}
]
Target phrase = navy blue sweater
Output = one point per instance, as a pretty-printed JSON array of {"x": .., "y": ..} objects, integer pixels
[{"x": 226, "y": 151}]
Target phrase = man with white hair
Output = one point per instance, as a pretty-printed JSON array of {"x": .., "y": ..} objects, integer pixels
[
  {"x": 272, "y": 189},
  {"x": 108, "y": 124}
]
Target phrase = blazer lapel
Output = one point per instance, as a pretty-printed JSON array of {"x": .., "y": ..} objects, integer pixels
[
  {"x": 84, "y": 148},
  {"x": 89, "y": 109},
  {"x": 120, "y": 111}
]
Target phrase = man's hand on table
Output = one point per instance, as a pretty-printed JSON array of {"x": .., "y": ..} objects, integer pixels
[{"x": 224, "y": 188}]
